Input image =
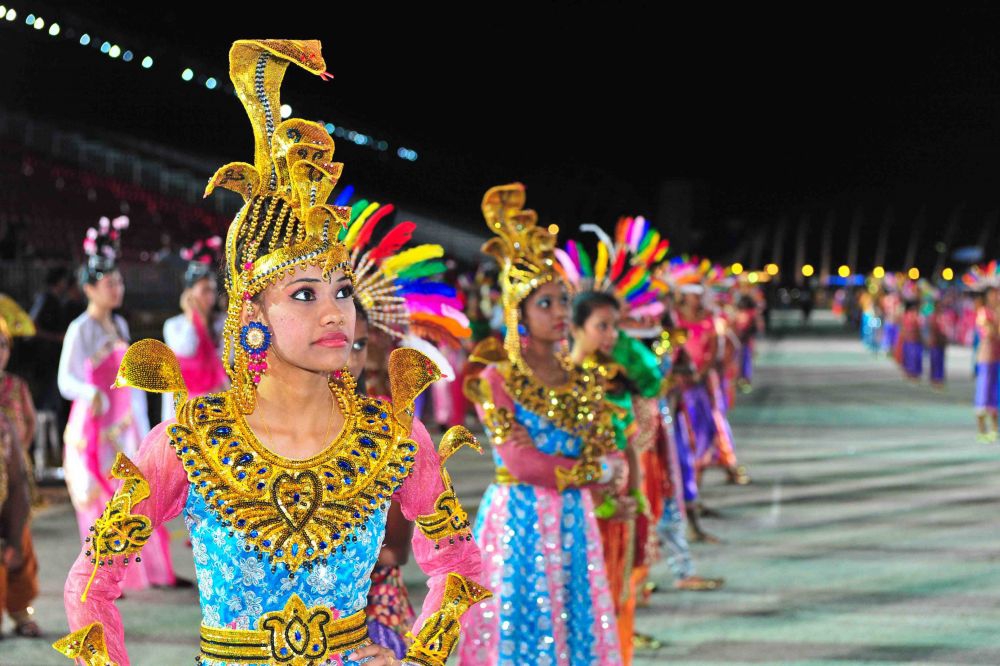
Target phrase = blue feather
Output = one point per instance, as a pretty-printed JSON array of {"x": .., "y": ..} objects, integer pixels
[{"x": 426, "y": 287}]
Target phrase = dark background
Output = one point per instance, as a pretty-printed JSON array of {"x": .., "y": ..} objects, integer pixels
[{"x": 716, "y": 123}]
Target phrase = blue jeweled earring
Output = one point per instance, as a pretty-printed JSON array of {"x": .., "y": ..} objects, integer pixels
[{"x": 255, "y": 338}]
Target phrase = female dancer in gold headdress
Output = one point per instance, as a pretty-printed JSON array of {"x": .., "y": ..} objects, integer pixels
[
  {"x": 285, "y": 478},
  {"x": 550, "y": 433}
]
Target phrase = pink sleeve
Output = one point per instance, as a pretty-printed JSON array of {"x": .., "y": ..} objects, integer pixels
[
  {"x": 526, "y": 463},
  {"x": 168, "y": 492},
  {"x": 417, "y": 497}
]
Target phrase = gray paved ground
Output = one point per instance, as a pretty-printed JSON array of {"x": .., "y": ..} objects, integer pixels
[{"x": 871, "y": 534}]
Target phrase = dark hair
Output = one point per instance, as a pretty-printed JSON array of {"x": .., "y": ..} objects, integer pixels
[
  {"x": 587, "y": 302},
  {"x": 55, "y": 275},
  {"x": 196, "y": 272},
  {"x": 96, "y": 268},
  {"x": 361, "y": 313},
  {"x": 746, "y": 303}
]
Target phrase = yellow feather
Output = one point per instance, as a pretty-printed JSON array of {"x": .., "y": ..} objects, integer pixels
[
  {"x": 601, "y": 267},
  {"x": 352, "y": 234},
  {"x": 407, "y": 258}
]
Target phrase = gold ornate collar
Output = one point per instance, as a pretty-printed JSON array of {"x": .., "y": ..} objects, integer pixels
[{"x": 297, "y": 511}]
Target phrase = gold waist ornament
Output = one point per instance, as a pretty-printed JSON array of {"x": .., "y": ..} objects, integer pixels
[{"x": 295, "y": 635}]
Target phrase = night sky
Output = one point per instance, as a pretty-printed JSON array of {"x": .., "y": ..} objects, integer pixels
[{"x": 778, "y": 112}]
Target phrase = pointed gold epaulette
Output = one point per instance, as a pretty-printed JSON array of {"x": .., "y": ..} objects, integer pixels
[
  {"x": 410, "y": 373},
  {"x": 488, "y": 351},
  {"x": 151, "y": 366}
]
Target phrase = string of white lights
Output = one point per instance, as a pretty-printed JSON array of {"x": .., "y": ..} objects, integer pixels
[{"x": 116, "y": 51}]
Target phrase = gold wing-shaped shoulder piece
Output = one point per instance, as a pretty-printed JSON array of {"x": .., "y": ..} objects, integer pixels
[
  {"x": 410, "y": 373},
  {"x": 151, "y": 366}
]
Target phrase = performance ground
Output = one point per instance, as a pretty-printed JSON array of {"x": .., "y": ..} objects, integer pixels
[{"x": 871, "y": 533}]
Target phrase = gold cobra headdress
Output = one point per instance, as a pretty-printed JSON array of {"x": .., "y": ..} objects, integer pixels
[
  {"x": 285, "y": 221},
  {"x": 522, "y": 249}
]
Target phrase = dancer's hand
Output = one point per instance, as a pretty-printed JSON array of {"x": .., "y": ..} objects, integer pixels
[
  {"x": 381, "y": 656},
  {"x": 625, "y": 508},
  {"x": 98, "y": 404}
]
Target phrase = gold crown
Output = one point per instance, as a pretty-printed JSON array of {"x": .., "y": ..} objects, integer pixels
[
  {"x": 285, "y": 221},
  {"x": 522, "y": 249}
]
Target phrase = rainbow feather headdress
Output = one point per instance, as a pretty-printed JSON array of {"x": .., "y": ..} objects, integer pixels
[
  {"x": 399, "y": 288},
  {"x": 983, "y": 277},
  {"x": 622, "y": 267}
]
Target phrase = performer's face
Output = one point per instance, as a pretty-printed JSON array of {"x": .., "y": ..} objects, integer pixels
[
  {"x": 205, "y": 293},
  {"x": 546, "y": 312},
  {"x": 108, "y": 292},
  {"x": 359, "y": 347},
  {"x": 311, "y": 319},
  {"x": 599, "y": 332}
]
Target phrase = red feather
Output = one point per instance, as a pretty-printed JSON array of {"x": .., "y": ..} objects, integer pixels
[
  {"x": 365, "y": 234},
  {"x": 399, "y": 236},
  {"x": 616, "y": 270},
  {"x": 621, "y": 231}
]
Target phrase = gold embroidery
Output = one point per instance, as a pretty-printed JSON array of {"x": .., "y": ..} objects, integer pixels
[
  {"x": 295, "y": 635},
  {"x": 578, "y": 407},
  {"x": 119, "y": 532},
  {"x": 295, "y": 510},
  {"x": 437, "y": 637},
  {"x": 86, "y": 645},
  {"x": 449, "y": 519}
]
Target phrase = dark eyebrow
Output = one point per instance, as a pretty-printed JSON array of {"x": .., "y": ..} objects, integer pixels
[{"x": 304, "y": 279}]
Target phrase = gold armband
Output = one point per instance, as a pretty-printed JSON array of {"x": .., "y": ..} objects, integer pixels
[
  {"x": 86, "y": 645},
  {"x": 119, "y": 532},
  {"x": 449, "y": 520},
  {"x": 439, "y": 634}
]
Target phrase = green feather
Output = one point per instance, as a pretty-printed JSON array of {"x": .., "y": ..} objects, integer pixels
[{"x": 423, "y": 269}]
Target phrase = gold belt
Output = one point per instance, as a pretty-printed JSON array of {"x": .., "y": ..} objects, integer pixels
[{"x": 295, "y": 635}]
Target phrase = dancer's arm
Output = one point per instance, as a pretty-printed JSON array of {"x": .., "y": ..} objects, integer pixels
[
  {"x": 520, "y": 456},
  {"x": 162, "y": 471},
  {"x": 447, "y": 553}
]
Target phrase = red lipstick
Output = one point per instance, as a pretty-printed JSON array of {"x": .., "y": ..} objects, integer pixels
[{"x": 333, "y": 340}]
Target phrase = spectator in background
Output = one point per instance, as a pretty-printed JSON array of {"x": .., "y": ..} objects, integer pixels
[{"x": 50, "y": 327}]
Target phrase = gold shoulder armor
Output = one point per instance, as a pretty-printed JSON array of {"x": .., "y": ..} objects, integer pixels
[
  {"x": 151, "y": 366},
  {"x": 488, "y": 351},
  {"x": 410, "y": 372}
]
